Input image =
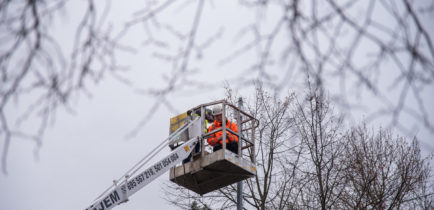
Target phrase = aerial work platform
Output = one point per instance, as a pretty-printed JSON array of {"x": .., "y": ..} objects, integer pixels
[
  {"x": 201, "y": 171},
  {"x": 208, "y": 171},
  {"x": 213, "y": 171}
]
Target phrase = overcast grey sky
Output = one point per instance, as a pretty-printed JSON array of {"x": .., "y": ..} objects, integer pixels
[{"x": 83, "y": 152}]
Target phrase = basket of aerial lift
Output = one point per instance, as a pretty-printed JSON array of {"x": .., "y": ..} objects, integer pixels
[{"x": 208, "y": 171}]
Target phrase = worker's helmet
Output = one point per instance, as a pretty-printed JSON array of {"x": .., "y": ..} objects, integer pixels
[{"x": 216, "y": 110}]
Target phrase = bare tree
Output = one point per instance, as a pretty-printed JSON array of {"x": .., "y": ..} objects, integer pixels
[
  {"x": 319, "y": 131},
  {"x": 380, "y": 49},
  {"x": 34, "y": 68},
  {"x": 307, "y": 160},
  {"x": 377, "y": 49},
  {"x": 34, "y": 65},
  {"x": 272, "y": 186},
  {"x": 384, "y": 171}
]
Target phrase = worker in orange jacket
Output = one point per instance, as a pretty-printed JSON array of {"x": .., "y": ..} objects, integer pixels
[{"x": 216, "y": 140}]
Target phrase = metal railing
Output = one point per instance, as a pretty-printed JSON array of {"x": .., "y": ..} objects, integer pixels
[{"x": 244, "y": 121}]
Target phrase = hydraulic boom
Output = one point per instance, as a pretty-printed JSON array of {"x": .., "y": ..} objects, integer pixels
[{"x": 122, "y": 191}]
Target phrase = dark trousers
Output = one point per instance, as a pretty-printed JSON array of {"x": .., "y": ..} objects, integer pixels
[
  {"x": 232, "y": 146},
  {"x": 196, "y": 150}
]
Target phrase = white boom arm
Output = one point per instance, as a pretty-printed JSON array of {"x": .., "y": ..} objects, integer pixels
[{"x": 122, "y": 192}]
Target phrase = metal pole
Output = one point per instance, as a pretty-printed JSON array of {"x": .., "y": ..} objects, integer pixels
[
  {"x": 224, "y": 125},
  {"x": 202, "y": 130},
  {"x": 240, "y": 141}
]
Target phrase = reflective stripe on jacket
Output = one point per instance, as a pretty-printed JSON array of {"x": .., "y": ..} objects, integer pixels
[{"x": 229, "y": 136}]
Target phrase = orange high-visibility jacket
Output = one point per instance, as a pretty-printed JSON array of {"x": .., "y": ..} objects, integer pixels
[{"x": 229, "y": 136}]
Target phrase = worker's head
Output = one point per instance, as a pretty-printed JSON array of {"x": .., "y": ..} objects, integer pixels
[{"x": 217, "y": 111}]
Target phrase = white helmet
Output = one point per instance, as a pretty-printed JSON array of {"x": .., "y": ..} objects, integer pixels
[{"x": 216, "y": 110}]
